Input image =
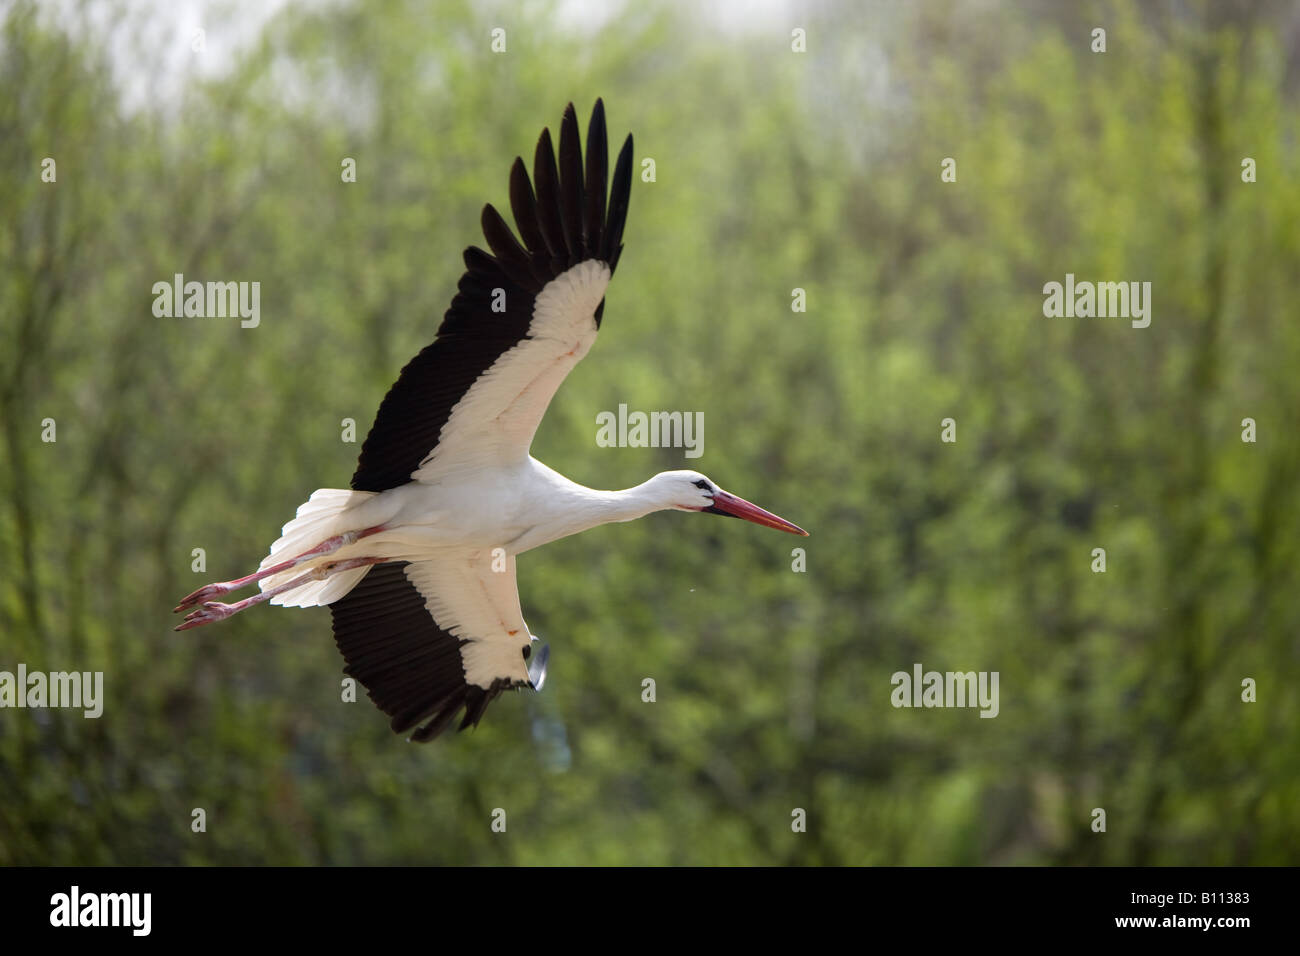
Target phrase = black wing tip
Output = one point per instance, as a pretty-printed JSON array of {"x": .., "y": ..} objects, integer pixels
[
  {"x": 569, "y": 123},
  {"x": 597, "y": 122},
  {"x": 620, "y": 194},
  {"x": 597, "y": 176},
  {"x": 572, "y": 203},
  {"x": 568, "y": 220},
  {"x": 471, "y": 698}
]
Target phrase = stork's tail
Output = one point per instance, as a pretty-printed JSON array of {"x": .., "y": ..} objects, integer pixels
[{"x": 321, "y": 516}]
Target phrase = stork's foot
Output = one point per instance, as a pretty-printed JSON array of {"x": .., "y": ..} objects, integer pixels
[
  {"x": 210, "y": 612},
  {"x": 206, "y": 593}
]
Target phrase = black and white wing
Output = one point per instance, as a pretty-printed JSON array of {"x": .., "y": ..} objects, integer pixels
[
  {"x": 428, "y": 638},
  {"x": 523, "y": 316}
]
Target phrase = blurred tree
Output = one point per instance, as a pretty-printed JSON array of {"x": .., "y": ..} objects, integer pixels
[{"x": 775, "y": 171}]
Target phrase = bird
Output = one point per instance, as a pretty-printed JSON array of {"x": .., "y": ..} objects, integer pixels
[{"x": 417, "y": 559}]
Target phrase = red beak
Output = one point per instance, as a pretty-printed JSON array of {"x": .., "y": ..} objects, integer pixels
[{"x": 725, "y": 503}]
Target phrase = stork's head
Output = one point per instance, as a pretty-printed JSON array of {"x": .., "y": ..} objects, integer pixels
[{"x": 691, "y": 491}]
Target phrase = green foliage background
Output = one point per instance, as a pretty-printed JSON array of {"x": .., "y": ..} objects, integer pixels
[{"x": 775, "y": 170}]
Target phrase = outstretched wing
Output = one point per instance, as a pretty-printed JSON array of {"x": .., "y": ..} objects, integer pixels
[
  {"x": 428, "y": 638},
  {"x": 523, "y": 316}
]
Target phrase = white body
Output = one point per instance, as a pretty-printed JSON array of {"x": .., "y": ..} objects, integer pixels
[{"x": 515, "y": 508}]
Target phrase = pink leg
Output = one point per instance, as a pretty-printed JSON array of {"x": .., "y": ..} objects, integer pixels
[
  {"x": 214, "y": 611},
  {"x": 328, "y": 546}
]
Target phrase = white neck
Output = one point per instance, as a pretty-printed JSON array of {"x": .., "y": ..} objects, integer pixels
[
  {"x": 564, "y": 507},
  {"x": 603, "y": 507}
]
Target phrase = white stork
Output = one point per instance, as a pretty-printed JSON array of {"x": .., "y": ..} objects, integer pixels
[{"x": 417, "y": 560}]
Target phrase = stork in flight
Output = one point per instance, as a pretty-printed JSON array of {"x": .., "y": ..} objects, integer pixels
[{"x": 417, "y": 560}]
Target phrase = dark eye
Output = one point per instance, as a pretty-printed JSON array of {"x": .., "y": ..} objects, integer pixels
[{"x": 702, "y": 485}]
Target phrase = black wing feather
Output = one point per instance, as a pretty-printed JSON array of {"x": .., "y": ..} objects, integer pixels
[
  {"x": 571, "y": 187},
  {"x": 549, "y": 219},
  {"x": 597, "y": 179},
  {"x": 524, "y": 206},
  {"x": 513, "y": 258},
  {"x": 612, "y": 243}
]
